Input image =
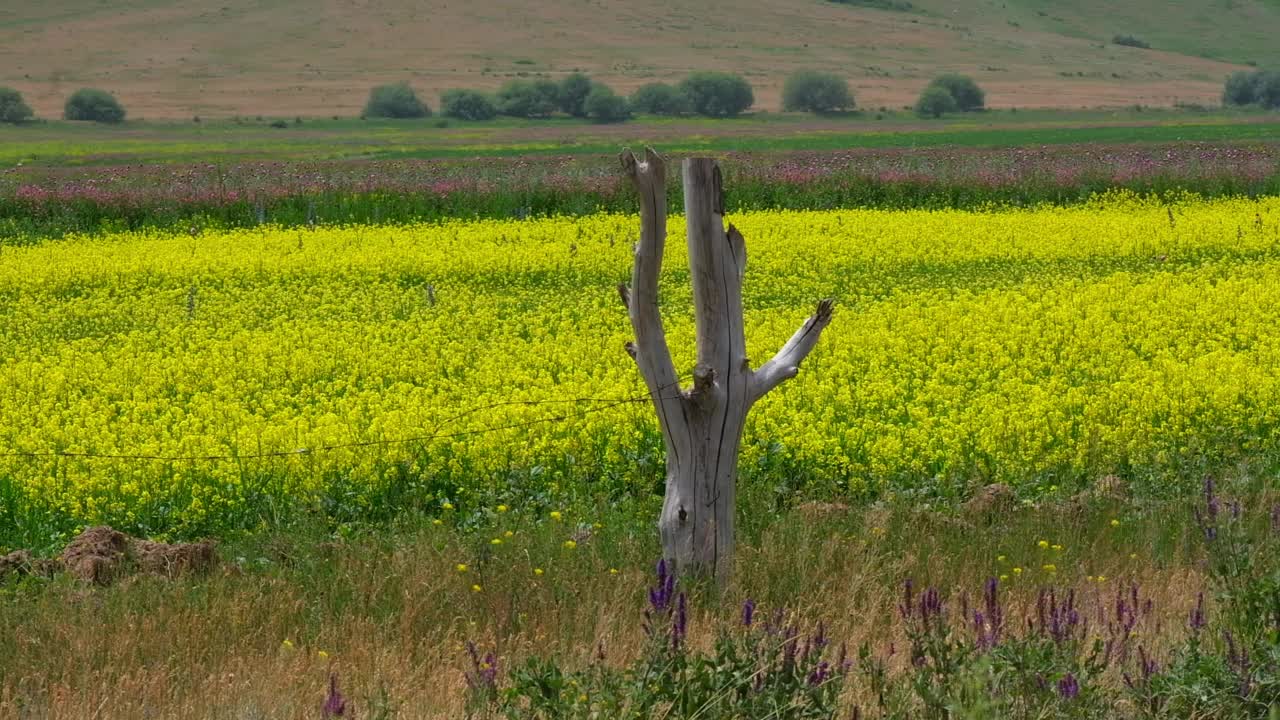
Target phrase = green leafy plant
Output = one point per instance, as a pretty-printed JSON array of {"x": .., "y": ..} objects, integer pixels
[
  {"x": 467, "y": 105},
  {"x": 93, "y": 105},
  {"x": 935, "y": 102},
  {"x": 603, "y": 105},
  {"x": 396, "y": 101},
  {"x": 963, "y": 89},
  {"x": 12, "y": 108},
  {"x": 660, "y": 99},
  {"x": 717, "y": 94},
  {"x": 816, "y": 92}
]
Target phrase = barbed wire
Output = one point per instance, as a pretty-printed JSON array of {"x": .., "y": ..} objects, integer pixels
[{"x": 603, "y": 405}]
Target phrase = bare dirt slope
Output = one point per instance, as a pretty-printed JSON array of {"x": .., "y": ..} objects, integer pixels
[{"x": 319, "y": 57}]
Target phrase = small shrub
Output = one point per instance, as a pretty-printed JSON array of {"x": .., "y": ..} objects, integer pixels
[
  {"x": 603, "y": 105},
  {"x": 279, "y": 124},
  {"x": 573, "y": 92},
  {"x": 963, "y": 90},
  {"x": 12, "y": 108},
  {"x": 397, "y": 101},
  {"x": 93, "y": 105},
  {"x": 467, "y": 105},
  {"x": 660, "y": 99},
  {"x": 1131, "y": 41},
  {"x": 935, "y": 102},
  {"x": 528, "y": 98},
  {"x": 716, "y": 94},
  {"x": 816, "y": 92}
]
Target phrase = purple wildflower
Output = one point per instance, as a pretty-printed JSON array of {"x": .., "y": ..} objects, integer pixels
[
  {"x": 748, "y": 612},
  {"x": 1069, "y": 687},
  {"x": 1197, "y": 621},
  {"x": 335, "y": 706}
]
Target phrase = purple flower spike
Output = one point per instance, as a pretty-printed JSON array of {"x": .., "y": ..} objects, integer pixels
[
  {"x": 1197, "y": 621},
  {"x": 335, "y": 706},
  {"x": 1069, "y": 687},
  {"x": 748, "y": 612}
]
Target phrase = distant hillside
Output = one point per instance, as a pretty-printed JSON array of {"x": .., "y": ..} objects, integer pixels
[{"x": 319, "y": 57}]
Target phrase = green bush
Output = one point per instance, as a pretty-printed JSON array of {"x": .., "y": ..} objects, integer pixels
[
  {"x": 660, "y": 99},
  {"x": 1131, "y": 41},
  {"x": 817, "y": 92},
  {"x": 717, "y": 94},
  {"x": 1259, "y": 87},
  {"x": 1241, "y": 88},
  {"x": 934, "y": 102},
  {"x": 94, "y": 105},
  {"x": 528, "y": 98},
  {"x": 573, "y": 92},
  {"x": 1269, "y": 90},
  {"x": 12, "y": 108},
  {"x": 467, "y": 105},
  {"x": 397, "y": 101},
  {"x": 603, "y": 105},
  {"x": 963, "y": 90}
]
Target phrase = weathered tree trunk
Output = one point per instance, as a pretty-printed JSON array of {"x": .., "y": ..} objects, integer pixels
[{"x": 701, "y": 425}]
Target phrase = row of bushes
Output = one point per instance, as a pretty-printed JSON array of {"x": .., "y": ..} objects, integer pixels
[
  {"x": 706, "y": 93},
  {"x": 710, "y": 94},
  {"x": 85, "y": 104}
]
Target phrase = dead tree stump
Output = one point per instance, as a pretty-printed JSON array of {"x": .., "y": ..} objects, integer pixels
[{"x": 702, "y": 424}]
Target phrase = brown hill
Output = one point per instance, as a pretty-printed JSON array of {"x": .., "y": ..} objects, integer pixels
[{"x": 319, "y": 57}]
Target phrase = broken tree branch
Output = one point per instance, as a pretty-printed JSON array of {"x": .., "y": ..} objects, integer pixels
[{"x": 786, "y": 364}]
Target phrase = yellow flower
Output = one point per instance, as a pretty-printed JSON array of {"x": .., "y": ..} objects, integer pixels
[
  {"x": 537, "y": 571},
  {"x": 322, "y": 655},
  {"x": 476, "y": 588},
  {"x": 496, "y": 541},
  {"x": 1000, "y": 558},
  {"x": 1089, "y": 579},
  {"x": 1115, "y": 523},
  {"x": 1102, "y": 578},
  {"x": 287, "y": 644},
  {"x": 1049, "y": 568},
  {"x": 1057, "y": 548},
  {"x": 597, "y": 525},
  {"x": 461, "y": 567},
  {"x": 1044, "y": 544},
  {"x": 570, "y": 544},
  {"x": 1133, "y": 556},
  {"x": 582, "y": 698},
  {"x": 502, "y": 508},
  {"x": 508, "y": 534},
  {"x": 1017, "y": 571},
  {"x": 613, "y": 571},
  {"x": 555, "y": 515},
  {"x": 1004, "y": 577},
  {"x": 447, "y": 506},
  {"x": 437, "y": 521}
]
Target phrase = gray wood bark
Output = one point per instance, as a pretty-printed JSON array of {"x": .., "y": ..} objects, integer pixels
[{"x": 701, "y": 424}]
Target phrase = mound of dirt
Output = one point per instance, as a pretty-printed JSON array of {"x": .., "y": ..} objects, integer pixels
[
  {"x": 22, "y": 562},
  {"x": 991, "y": 502},
  {"x": 102, "y": 555}
]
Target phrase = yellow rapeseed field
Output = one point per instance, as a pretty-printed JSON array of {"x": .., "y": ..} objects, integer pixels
[{"x": 1036, "y": 347}]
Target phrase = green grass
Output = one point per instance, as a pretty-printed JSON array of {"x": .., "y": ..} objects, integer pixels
[{"x": 60, "y": 143}]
